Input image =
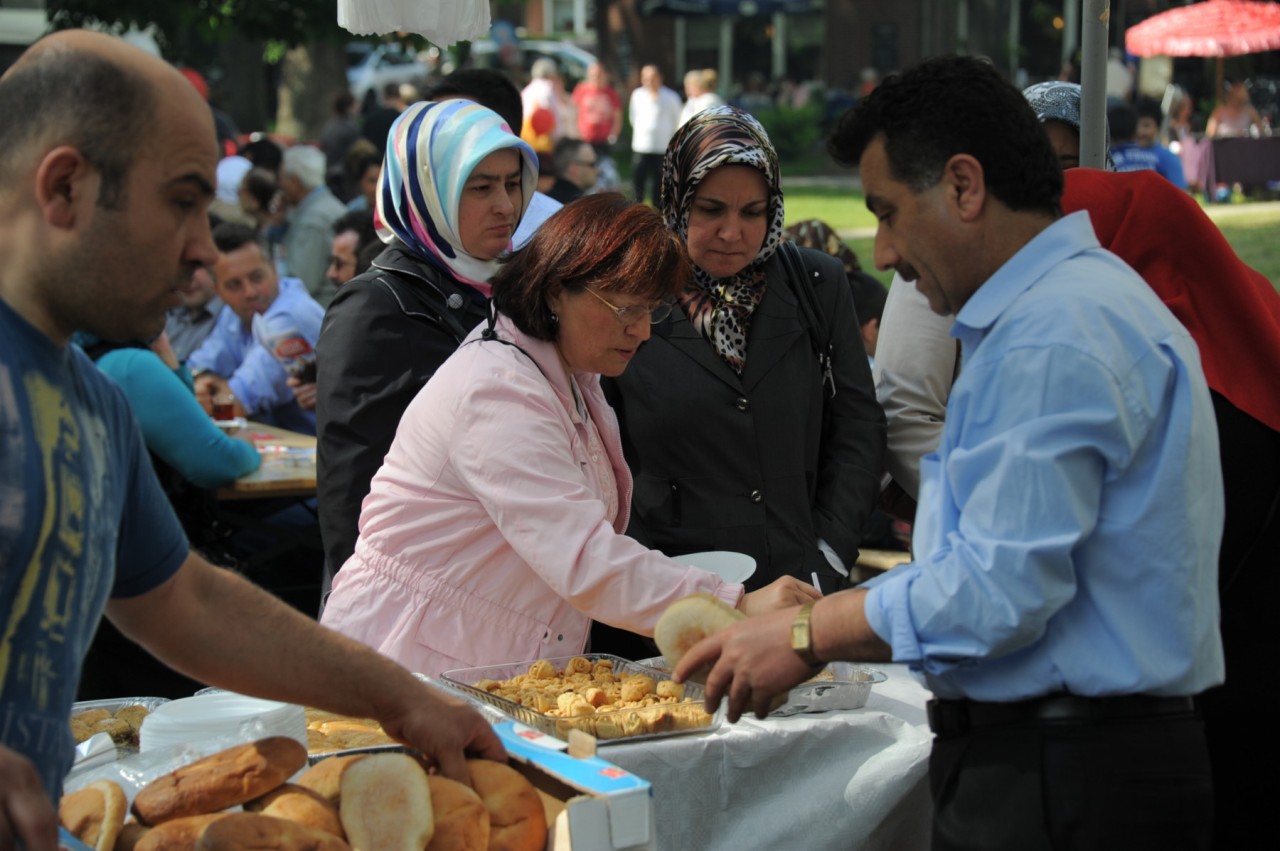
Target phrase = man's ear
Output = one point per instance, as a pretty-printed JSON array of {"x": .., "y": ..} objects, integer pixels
[
  {"x": 966, "y": 186},
  {"x": 65, "y": 181}
]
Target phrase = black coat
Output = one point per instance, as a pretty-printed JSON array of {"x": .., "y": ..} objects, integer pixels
[
  {"x": 385, "y": 333},
  {"x": 754, "y": 463}
]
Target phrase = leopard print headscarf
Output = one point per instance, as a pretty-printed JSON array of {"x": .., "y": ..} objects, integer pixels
[{"x": 721, "y": 308}]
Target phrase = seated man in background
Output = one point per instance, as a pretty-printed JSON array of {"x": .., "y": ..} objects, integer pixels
[
  {"x": 313, "y": 209},
  {"x": 232, "y": 361},
  {"x": 189, "y": 324},
  {"x": 352, "y": 234}
]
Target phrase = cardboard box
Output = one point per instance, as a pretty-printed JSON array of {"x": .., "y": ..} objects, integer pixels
[{"x": 591, "y": 804}]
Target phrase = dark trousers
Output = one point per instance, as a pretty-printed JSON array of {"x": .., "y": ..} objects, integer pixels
[
  {"x": 1132, "y": 784},
  {"x": 646, "y": 168},
  {"x": 1249, "y": 585}
]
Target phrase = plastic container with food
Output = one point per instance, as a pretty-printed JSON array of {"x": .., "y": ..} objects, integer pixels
[
  {"x": 609, "y": 697},
  {"x": 114, "y": 716}
]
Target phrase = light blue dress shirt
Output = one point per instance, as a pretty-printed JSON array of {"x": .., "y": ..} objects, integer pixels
[
  {"x": 1068, "y": 525},
  {"x": 255, "y": 376}
]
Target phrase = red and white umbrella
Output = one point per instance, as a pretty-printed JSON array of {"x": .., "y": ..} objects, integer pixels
[{"x": 1213, "y": 28}]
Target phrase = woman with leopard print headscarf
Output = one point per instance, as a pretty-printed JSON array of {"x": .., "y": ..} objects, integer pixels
[{"x": 733, "y": 433}]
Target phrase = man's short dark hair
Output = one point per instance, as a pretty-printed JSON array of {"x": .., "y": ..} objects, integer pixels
[
  {"x": 76, "y": 97},
  {"x": 1123, "y": 121},
  {"x": 869, "y": 297},
  {"x": 565, "y": 152},
  {"x": 343, "y": 102},
  {"x": 263, "y": 153},
  {"x": 487, "y": 87},
  {"x": 1149, "y": 107},
  {"x": 955, "y": 105},
  {"x": 230, "y": 236},
  {"x": 261, "y": 186},
  {"x": 360, "y": 221}
]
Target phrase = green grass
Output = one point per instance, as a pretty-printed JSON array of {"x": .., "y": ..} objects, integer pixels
[
  {"x": 840, "y": 207},
  {"x": 1253, "y": 233},
  {"x": 1252, "y": 229}
]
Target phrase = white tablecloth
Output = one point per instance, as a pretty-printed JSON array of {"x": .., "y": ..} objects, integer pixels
[{"x": 839, "y": 780}]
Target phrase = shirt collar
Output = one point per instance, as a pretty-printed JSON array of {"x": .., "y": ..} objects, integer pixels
[
  {"x": 212, "y": 307},
  {"x": 1065, "y": 238}
]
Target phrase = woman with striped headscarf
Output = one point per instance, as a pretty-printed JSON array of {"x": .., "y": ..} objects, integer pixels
[
  {"x": 749, "y": 417},
  {"x": 455, "y": 182}
]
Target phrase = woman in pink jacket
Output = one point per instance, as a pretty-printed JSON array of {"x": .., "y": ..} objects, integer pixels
[{"x": 493, "y": 531}]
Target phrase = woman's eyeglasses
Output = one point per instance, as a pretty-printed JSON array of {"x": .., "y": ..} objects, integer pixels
[{"x": 632, "y": 315}]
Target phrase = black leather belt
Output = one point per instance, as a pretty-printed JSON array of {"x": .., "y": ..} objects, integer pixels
[{"x": 957, "y": 717}]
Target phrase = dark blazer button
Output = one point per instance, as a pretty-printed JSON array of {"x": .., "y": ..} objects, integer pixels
[
  {"x": 756, "y": 496},
  {"x": 742, "y": 404}
]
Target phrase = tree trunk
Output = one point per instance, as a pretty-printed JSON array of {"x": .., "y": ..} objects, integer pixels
[
  {"x": 311, "y": 76},
  {"x": 244, "y": 94}
]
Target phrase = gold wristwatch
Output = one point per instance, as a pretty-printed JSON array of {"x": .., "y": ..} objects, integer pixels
[{"x": 802, "y": 636}]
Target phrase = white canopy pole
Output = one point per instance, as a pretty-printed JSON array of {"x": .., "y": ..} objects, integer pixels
[{"x": 1094, "y": 26}]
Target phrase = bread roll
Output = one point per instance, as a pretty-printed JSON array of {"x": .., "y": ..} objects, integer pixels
[
  {"x": 689, "y": 620},
  {"x": 178, "y": 834},
  {"x": 517, "y": 821},
  {"x": 462, "y": 822},
  {"x": 95, "y": 814},
  {"x": 325, "y": 777},
  {"x": 219, "y": 781},
  {"x": 130, "y": 835},
  {"x": 299, "y": 805},
  {"x": 386, "y": 804},
  {"x": 256, "y": 832}
]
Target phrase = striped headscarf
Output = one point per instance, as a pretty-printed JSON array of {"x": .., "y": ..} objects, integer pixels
[
  {"x": 431, "y": 151},
  {"x": 721, "y": 308}
]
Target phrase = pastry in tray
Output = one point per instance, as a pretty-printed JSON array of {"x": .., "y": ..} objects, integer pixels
[
  {"x": 329, "y": 733},
  {"x": 121, "y": 719},
  {"x": 605, "y": 696}
]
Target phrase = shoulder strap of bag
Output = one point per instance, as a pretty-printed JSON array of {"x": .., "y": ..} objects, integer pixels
[
  {"x": 490, "y": 334},
  {"x": 819, "y": 331}
]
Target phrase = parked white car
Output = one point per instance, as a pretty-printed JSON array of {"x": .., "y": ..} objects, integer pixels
[
  {"x": 572, "y": 59},
  {"x": 370, "y": 67}
]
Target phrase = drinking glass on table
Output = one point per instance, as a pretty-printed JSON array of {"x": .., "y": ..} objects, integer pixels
[{"x": 224, "y": 407}]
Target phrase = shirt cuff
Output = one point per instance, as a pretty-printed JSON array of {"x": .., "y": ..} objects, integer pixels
[
  {"x": 245, "y": 395},
  {"x": 887, "y": 607}
]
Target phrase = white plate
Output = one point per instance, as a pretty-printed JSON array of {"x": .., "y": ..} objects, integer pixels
[
  {"x": 231, "y": 424},
  {"x": 217, "y": 714},
  {"x": 729, "y": 566}
]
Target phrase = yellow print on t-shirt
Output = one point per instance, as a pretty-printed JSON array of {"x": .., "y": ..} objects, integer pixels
[{"x": 50, "y": 577}]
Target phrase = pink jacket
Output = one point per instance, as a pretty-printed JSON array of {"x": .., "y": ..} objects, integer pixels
[{"x": 485, "y": 536}]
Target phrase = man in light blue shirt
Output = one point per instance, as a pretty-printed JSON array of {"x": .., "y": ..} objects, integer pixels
[
  {"x": 1063, "y": 602},
  {"x": 230, "y": 360}
]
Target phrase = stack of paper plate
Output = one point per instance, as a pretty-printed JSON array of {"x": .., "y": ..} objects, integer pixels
[{"x": 221, "y": 714}]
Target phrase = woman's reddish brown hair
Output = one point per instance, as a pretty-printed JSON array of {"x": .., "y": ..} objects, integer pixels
[{"x": 600, "y": 241}]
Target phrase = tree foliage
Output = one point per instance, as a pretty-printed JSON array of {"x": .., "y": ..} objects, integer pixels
[{"x": 288, "y": 22}]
